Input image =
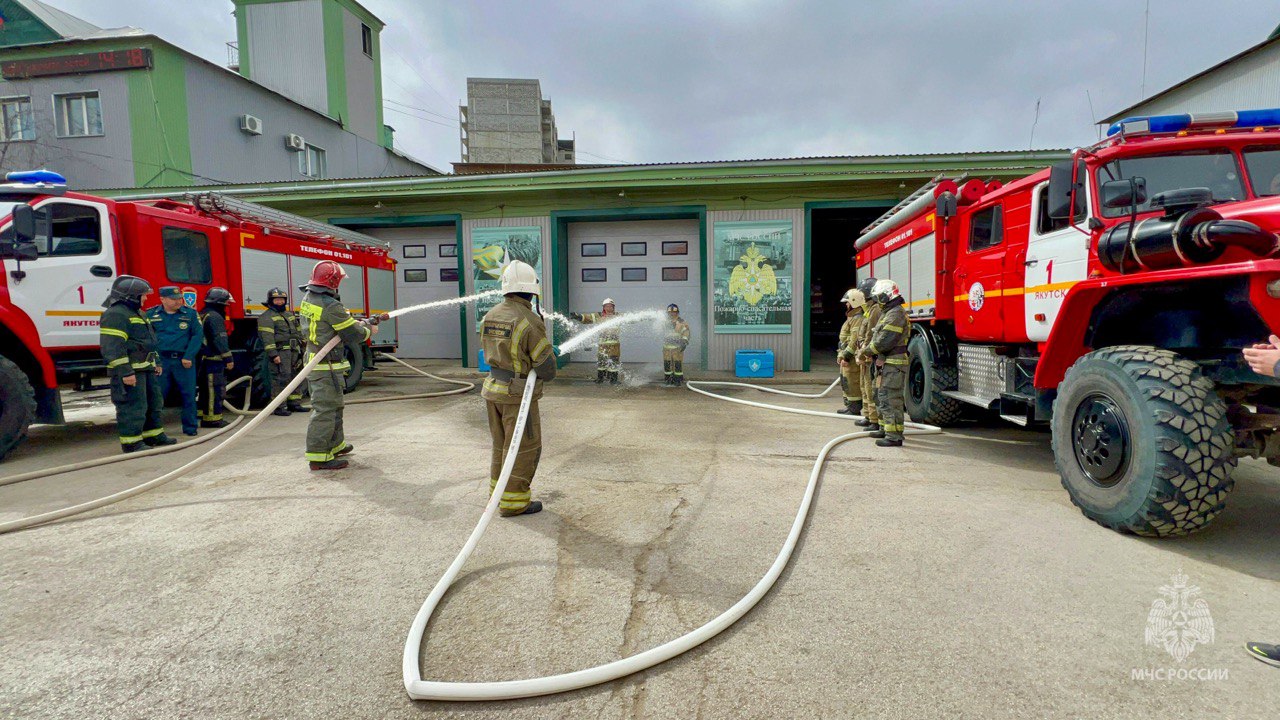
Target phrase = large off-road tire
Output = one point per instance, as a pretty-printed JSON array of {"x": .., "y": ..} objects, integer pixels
[
  {"x": 17, "y": 405},
  {"x": 1142, "y": 442},
  {"x": 926, "y": 379},
  {"x": 354, "y": 353}
]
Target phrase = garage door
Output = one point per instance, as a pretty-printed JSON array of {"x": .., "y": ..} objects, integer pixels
[
  {"x": 643, "y": 264},
  {"x": 426, "y": 270}
]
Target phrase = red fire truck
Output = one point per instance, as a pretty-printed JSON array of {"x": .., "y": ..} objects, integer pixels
[
  {"x": 51, "y": 289},
  {"x": 1109, "y": 297}
]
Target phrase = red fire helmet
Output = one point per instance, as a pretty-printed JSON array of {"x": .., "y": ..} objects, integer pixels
[{"x": 327, "y": 273}]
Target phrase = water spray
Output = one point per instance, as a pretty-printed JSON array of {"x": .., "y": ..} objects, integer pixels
[
  {"x": 577, "y": 341},
  {"x": 442, "y": 303}
]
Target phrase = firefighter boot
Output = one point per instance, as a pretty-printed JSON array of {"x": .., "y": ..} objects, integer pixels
[
  {"x": 159, "y": 440},
  {"x": 888, "y": 442},
  {"x": 851, "y": 407},
  {"x": 133, "y": 447},
  {"x": 877, "y": 431},
  {"x": 282, "y": 411},
  {"x": 213, "y": 423},
  {"x": 863, "y": 422},
  {"x": 334, "y": 464},
  {"x": 599, "y": 377},
  {"x": 534, "y": 506},
  {"x": 346, "y": 450},
  {"x": 613, "y": 377},
  {"x": 297, "y": 406}
]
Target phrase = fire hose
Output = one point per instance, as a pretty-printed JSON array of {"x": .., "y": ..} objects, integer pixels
[{"x": 420, "y": 689}]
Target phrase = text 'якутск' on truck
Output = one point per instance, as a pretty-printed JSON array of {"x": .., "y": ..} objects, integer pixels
[
  {"x": 52, "y": 283},
  {"x": 1109, "y": 297}
]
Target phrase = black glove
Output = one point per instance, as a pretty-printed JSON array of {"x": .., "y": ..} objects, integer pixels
[
  {"x": 683, "y": 344},
  {"x": 576, "y": 316}
]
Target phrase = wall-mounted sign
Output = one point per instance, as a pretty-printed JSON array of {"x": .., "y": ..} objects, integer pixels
[
  {"x": 76, "y": 64},
  {"x": 753, "y": 276}
]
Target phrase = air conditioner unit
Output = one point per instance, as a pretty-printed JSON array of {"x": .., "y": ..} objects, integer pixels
[
  {"x": 250, "y": 125},
  {"x": 296, "y": 143}
]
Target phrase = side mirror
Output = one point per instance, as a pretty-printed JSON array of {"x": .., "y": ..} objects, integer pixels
[
  {"x": 1128, "y": 193},
  {"x": 946, "y": 205},
  {"x": 1062, "y": 189},
  {"x": 24, "y": 225},
  {"x": 26, "y": 251}
]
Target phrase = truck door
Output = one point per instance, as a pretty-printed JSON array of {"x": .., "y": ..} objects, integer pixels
[
  {"x": 64, "y": 288},
  {"x": 980, "y": 277},
  {"x": 1057, "y": 258}
]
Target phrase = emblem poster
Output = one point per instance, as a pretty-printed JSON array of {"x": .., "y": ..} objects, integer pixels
[
  {"x": 491, "y": 249},
  {"x": 752, "y": 276}
]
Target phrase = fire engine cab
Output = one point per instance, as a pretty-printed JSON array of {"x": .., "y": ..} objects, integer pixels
[
  {"x": 1109, "y": 297},
  {"x": 70, "y": 247}
]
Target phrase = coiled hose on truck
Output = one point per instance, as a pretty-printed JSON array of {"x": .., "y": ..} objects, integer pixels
[{"x": 420, "y": 689}]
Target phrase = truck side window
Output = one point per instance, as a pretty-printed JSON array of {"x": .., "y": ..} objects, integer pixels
[
  {"x": 186, "y": 256},
  {"x": 76, "y": 230},
  {"x": 1044, "y": 223},
  {"x": 985, "y": 229}
]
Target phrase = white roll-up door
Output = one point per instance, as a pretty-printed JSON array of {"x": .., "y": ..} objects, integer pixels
[{"x": 426, "y": 271}]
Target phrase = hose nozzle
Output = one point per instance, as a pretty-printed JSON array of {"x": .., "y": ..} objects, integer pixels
[{"x": 380, "y": 317}]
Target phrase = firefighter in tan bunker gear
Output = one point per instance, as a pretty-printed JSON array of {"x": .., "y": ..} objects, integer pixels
[
  {"x": 850, "y": 374},
  {"x": 866, "y": 370},
  {"x": 889, "y": 348},
  {"x": 514, "y": 338},
  {"x": 674, "y": 341},
  {"x": 608, "y": 346}
]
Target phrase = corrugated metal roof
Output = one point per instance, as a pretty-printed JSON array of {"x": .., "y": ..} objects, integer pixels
[{"x": 62, "y": 23}]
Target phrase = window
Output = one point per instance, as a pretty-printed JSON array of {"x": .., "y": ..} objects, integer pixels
[
  {"x": 1044, "y": 223},
  {"x": 449, "y": 250},
  {"x": 366, "y": 39},
  {"x": 1263, "y": 164},
  {"x": 635, "y": 249},
  {"x": 984, "y": 229},
  {"x": 448, "y": 274},
  {"x": 1215, "y": 169},
  {"x": 76, "y": 230},
  {"x": 186, "y": 256},
  {"x": 78, "y": 114},
  {"x": 594, "y": 275},
  {"x": 17, "y": 123},
  {"x": 675, "y": 274},
  {"x": 415, "y": 275},
  {"x": 311, "y": 162},
  {"x": 675, "y": 247},
  {"x": 594, "y": 250},
  {"x": 635, "y": 274},
  {"x": 414, "y": 251}
]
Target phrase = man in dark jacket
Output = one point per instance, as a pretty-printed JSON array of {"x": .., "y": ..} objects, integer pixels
[
  {"x": 178, "y": 340},
  {"x": 129, "y": 349},
  {"x": 217, "y": 359}
]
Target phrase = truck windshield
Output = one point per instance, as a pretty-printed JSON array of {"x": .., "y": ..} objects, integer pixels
[
  {"x": 1263, "y": 164},
  {"x": 1214, "y": 169}
]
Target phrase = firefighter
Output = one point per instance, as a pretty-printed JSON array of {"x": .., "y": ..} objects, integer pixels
[
  {"x": 280, "y": 334},
  {"x": 888, "y": 346},
  {"x": 323, "y": 317},
  {"x": 609, "y": 345},
  {"x": 673, "y": 345},
  {"x": 850, "y": 374},
  {"x": 866, "y": 369},
  {"x": 515, "y": 341},
  {"x": 178, "y": 340},
  {"x": 217, "y": 358},
  {"x": 129, "y": 348}
]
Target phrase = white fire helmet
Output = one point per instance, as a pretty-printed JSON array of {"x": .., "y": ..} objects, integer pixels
[
  {"x": 885, "y": 291},
  {"x": 520, "y": 277},
  {"x": 608, "y": 301},
  {"x": 854, "y": 298}
]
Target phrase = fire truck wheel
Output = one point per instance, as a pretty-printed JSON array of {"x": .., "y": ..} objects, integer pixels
[
  {"x": 17, "y": 405},
  {"x": 926, "y": 380},
  {"x": 355, "y": 356},
  {"x": 1142, "y": 442}
]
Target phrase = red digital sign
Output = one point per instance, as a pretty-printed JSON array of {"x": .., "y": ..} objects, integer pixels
[{"x": 76, "y": 64}]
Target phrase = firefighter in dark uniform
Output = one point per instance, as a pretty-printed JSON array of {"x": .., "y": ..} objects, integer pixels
[
  {"x": 178, "y": 340},
  {"x": 129, "y": 348},
  {"x": 674, "y": 342},
  {"x": 889, "y": 348},
  {"x": 850, "y": 374},
  {"x": 217, "y": 359},
  {"x": 280, "y": 333},
  {"x": 323, "y": 318},
  {"x": 515, "y": 341},
  {"x": 866, "y": 369}
]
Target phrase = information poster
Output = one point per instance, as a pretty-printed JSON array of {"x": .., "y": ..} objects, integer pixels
[
  {"x": 753, "y": 276},
  {"x": 491, "y": 249}
]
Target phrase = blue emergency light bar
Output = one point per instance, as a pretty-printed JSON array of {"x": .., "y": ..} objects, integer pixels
[
  {"x": 34, "y": 177},
  {"x": 1148, "y": 124}
]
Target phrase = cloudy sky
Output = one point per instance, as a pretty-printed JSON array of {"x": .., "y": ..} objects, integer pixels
[{"x": 646, "y": 81}]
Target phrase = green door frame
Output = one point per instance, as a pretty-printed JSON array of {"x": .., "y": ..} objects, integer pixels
[
  {"x": 809, "y": 207},
  {"x": 395, "y": 221},
  {"x": 560, "y": 220}
]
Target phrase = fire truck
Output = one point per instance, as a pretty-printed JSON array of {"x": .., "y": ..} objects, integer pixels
[
  {"x": 70, "y": 247},
  {"x": 1107, "y": 298}
]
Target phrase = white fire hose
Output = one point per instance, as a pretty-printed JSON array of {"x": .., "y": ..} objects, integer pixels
[{"x": 420, "y": 689}]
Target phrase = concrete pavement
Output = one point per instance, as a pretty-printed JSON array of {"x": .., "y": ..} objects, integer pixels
[{"x": 949, "y": 578}]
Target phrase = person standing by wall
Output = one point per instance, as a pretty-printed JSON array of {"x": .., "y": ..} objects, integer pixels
[
  {"x": 514, "y": 339},
  {"x": 128, "y": 346},
  {"x": 217, "y": 358},
  {"x": 323, "y": 317},
  {"x": 674, "y": 341},
  {"x": 609, "y": 344},
  {"x": 178, "y": 340},
  {"x": 862, "y": 360},
  {"x": 280, "y": 333},
  {"x": 850, "y": 375},
  {"x": 889, "y": 348}
]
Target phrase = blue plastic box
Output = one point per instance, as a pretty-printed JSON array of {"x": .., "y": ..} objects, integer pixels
[
  {"x": 484, "y": 366},
  {"x": 753, "y": 363}
]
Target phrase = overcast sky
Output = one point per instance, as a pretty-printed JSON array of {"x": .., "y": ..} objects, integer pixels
[{"x": 733, "y": 79}]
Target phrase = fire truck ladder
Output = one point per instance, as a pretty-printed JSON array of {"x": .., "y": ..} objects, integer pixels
[
  {"x": 904, "y": 202},
  {"x": 235, "y": 210}
]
